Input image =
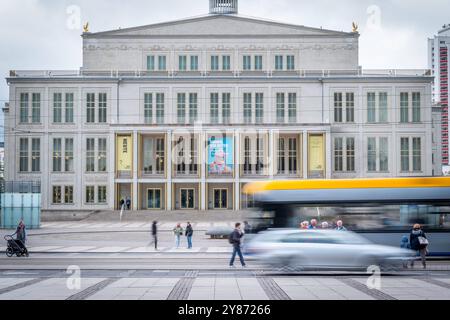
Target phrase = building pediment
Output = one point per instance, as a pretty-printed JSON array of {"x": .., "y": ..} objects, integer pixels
[{"x": 217, "y": 26}]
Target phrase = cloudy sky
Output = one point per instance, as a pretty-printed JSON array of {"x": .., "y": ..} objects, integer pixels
[{"x": 45, "y": 34}]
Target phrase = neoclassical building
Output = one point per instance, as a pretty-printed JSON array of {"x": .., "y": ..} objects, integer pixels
[{"x": 180, "y": 115}]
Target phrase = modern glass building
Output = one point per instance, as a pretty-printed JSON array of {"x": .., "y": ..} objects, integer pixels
[{"x": 180, "y": 115}]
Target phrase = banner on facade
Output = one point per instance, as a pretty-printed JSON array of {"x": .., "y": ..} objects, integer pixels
[
  {"x": 220, "y": 155},
  {"x": 124, "y": 153},
  {"x": 316, "y": 156}
]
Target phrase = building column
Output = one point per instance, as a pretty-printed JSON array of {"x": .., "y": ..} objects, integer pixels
[
  {"x": 135, "y": 169},
  {"x": 203, "y": 167},
  {"x": 169, "y": 167},
  {"x": 271, "y": 154},
  {"x": 305, "y": 154},
  {"x": 328, "y": 155}
]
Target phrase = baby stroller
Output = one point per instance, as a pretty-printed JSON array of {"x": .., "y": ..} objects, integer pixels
[{"x": 15, "y": 247}]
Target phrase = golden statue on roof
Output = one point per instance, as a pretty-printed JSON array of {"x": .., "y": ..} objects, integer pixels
[
  {"x": 86, "y": 27},
  {"x": 354, "y": 27}
]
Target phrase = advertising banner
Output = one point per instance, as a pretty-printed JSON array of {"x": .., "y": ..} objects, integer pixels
[{"x": 220, "y": 155}]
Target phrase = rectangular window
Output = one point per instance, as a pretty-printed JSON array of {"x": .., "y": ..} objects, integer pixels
[
  {"x": 338, "y": 155},
  {"x": 247, "y": 156},
  {"x": 247, "y": 62},
  {"x": 280, "y": 107},
  {"x": 226, "y": 108},
  {"x": 90, "y": 155},
  {"x": 102, "y": 108},
  {"x": 194, "y": 63},
  {"x": 372, "y": 154},
  {"x": 259, "y": 108},
  {"x": 350, "y": 106},
  {"x": 101, "y": 194},
  {"x": 247, "y": 108},
  {"x": 259, "y": 155},
  {"x": 226, "y": 63},
  {"x": 292, "y": 107},
  {"x": 181, "y": 108},
  {"x": 90, "y": 107},
  {"x": 292, "y": 156},
  {"x": 162, "y": 63},
  {"x": 23, "y": 165},
  {"x": 417, "y": 154},
  {"x": 57, "y": 155},
  {"x": 68, "y": 194},
  {"x": 57, "y": 107},
  {"x": 153, "y": 198},
  {"x": 90, "y": 194},
  {"x": 416, "y": 107},
  {"x": 36, "y": 108},
  {"x": 68, "y": 155},
  {"x": 278, "y": 62},
  {"x": 350, "y": 154},
  {"x": 182, "y": 63},
  {"x": 57, "y": 197},
  {"x": 258, "y": 63},
  {"x": 24, "y": 101},
  {"x": 160, "y": 108},
  {"x": 214, "y": 63},
  {"x": 35, "y": 155},
  {"x": 160, "y": 156},
  {"x": 102, "y": 152},
  {"x": 291, "y": 62},
  {"x": 69, "y": 107},
  {"x": 371, "y": 107},
  {"x": 281, "y": 156},
  {"x": 193, "y": 108},
  {"x": 338, "y": 107},
  {"x": 148, "y": 108},
  {"x": 383, "y": 107},
  {"x": 384, "y": 154},
  {"x": 214, "y": 108},
  {"x": 404, "y": 105},
  {"x": 150, "y": 63},
  {"x": 404, "y": 154}
]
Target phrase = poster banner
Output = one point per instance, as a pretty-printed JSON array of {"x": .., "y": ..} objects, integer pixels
[
  {"x": 220, "y": 155},
  {"x": 316, "y": 156},
  {"x": 124, "y": 153}
]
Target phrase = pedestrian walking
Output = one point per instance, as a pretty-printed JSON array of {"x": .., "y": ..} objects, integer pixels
[
  {"x": 340, "y": 226},
  {"x": 122, "y": 204},
  {"x": 128, "y": 203},
  {"x": 21, "y": 232},
  {"x": 404, "y": 244},
  {"x": 235, "y": 240},
  {"x": 419, "y": 242},
  {"x": 189, "y": 234},
  {"x": 178, "y": 232},
  {"x": 155, "y": 234}
]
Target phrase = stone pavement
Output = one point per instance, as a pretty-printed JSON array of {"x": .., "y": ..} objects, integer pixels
[{"x": 198, "y": 285}]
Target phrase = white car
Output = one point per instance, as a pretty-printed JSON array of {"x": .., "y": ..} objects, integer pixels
[{"x": 328, "y": 249}]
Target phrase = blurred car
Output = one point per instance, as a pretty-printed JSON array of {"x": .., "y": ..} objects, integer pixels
[
  {"x": 327, "y": 249},
  {"x": 219, "y": 232}
]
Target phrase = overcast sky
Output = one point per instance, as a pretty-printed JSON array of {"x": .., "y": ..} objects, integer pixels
[{"x": 44, "y": 34}]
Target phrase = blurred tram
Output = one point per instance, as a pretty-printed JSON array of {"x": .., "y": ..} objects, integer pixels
[{"x": 382, "y": 210}]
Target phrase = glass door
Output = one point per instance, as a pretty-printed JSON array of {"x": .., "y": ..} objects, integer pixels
[
  {"x": 220, "y": 198},
  {"x": 187, "y": 198},
  {"x": 154, "y": 199}
]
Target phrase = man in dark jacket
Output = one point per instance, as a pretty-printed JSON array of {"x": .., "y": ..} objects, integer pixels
[
  {"x": 155, "y": 234},
  {"x": 417, "y": 235},
  {"x": 235, "y": 240},
  {"x": 189, "y": 234}
]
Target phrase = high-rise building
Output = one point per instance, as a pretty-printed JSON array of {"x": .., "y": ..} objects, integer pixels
[
  {"x": 438, "y": 58},
  {"x": 180, "y": 115}
]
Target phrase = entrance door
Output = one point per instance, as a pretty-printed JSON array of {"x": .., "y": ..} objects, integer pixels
[
  {"x": 154, "y": 199},
  {"x": 187, "y": 198},
  {"x": 220, "y": 198}
]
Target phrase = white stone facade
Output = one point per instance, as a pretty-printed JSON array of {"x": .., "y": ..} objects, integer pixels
[{"x": 284, "y": 114}]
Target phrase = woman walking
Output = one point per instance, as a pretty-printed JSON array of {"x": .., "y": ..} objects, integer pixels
[{"x": 419, "y": 242}]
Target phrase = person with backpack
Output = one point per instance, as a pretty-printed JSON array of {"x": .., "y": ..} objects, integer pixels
[
  {"x": 419, "y": 242},
  {"x": 235, "y": 240},
  {"x": 178, "y": 232},
  {"x": 189, "y": 234}
]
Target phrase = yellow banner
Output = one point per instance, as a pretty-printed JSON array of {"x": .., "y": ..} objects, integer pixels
[
  {"x": 316, "y": 153},
  {"x": 124, "y": 153}
]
